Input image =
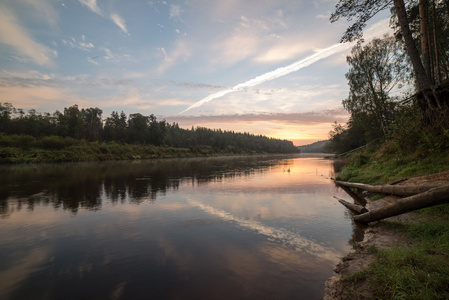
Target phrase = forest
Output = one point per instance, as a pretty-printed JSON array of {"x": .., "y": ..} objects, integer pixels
[
  {"x": 74, "y": 133},
  {"x": 398, "y": 85},
  {"x": 398, "y": 129}
]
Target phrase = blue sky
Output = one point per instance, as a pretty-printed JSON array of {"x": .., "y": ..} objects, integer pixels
[{"x": 162, "y": 57}]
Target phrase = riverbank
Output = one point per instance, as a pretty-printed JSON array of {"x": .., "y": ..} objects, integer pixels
[
  {"x": 78, "y": 151},
  {"x": 400, "y": 257}
]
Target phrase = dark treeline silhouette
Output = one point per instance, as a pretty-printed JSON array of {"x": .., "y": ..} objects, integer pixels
[
  {"x": 87, "y": 124},
  {"x": 76, "y": 186}
]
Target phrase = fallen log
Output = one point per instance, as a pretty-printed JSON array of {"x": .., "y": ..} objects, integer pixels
[
  {"x": 354, "y": 207},
  {"x": 398, "y": 181},
  {"x": 431, "y": 197},
  {"x": 360, "y": 200},
  {"x": 398, "y": 190}
]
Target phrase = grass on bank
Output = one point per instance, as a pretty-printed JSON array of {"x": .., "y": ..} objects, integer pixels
[
  {"x": 419, "y": 270},
  {"x": 28, "y": 149},
  {"x": 380, "y": 164}
]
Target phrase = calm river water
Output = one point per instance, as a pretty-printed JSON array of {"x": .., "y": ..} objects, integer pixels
[{"x": 263, "y": 227}]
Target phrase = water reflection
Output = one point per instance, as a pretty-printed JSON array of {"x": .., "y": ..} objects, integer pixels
[
  {"x": 217, "y": 228},
  {"x": 282, "y": 235},
  {"x": 84, "y": 185}
]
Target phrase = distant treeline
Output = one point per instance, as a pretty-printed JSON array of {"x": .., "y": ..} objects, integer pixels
[
  {"x": 47, "y": 130},
  {"x": 317, "y": 147}
]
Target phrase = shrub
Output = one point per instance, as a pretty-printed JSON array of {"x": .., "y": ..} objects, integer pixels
[
  {"x": 25, "y": 141},
  {"x": 52, "y": 142}
]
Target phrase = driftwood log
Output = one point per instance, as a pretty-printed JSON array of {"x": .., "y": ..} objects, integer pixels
[
  {"x": 434, "y": 196},
  {"x": 418, "y": 196},
  {"x": 354, "y": 207},
  {"x": 360, "y": 200},
  {"x": 398, "y": 190}
]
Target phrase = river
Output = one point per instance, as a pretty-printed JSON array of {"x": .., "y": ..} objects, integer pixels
[{"x": 259, "y": 227}]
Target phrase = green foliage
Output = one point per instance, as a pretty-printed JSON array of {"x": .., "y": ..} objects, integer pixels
[
  {"x": 362, "y": 11},
  {"x": 344, "y": 138},
  {"x": 56, "y": 142},
  {"x": 78, "y": 135},
  {"x": 375, "y": 69}
]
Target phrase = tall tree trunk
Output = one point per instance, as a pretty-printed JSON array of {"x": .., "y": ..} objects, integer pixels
[
  {"x": 435, "y": 44},
  {"x": 422, "y": 80},
  {"x": 425, "y": 37}
]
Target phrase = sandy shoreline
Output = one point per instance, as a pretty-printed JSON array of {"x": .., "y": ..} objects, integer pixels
[{"x": 381, "y": 237}]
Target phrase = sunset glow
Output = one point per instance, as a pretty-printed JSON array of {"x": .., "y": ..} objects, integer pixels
[{"x": 165, "y": 58}]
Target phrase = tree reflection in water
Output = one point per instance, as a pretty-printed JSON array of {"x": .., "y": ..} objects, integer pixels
[{"x": 72, "y": 186}]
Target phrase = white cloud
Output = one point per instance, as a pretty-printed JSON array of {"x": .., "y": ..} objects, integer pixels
[
  {"x": 181, "y": 51},
  {"x": 323, "y": 16},
  {"x": 305, "y": 118},
  {"x": 14, "y": 35},
  {"x": 109, "y": 56},
  {"x": 279, "y": 72},
  {"x": 175, "y": 11},
  {"x": 93, "y": 61},
  {"x": 235, "y": 48},
  {"x": 247, "y": 36},
  {"x": 116, "y": 58},
  {"x": 83, "y": 45},
  {"x": 119, "y": 22},
  {"x": 283, "y": 100},
  {"x": 166, "y": 57},
  {"x": 282, "y": 51},
  {"x": 92, "y": 5}
]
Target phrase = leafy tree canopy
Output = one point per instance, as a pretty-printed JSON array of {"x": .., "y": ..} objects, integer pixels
[{"x": 361, "y": 11}]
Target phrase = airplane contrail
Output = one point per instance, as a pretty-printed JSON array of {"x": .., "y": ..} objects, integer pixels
[
  {"x": 379, "y": 28},
  {"x": 276, "y": 73}
]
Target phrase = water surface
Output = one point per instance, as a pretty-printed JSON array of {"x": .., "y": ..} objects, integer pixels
[{"x": 263, "y": 227}]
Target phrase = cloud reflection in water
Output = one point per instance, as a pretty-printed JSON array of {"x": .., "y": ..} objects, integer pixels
[{"x": 277, "y": 234}]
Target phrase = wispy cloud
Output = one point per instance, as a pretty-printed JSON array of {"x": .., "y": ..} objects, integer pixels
[
  {"x": 14, "y": 35},
  {"x": 374, "y": 31},
  {"x": 82, "y": 45},
  {"x": 180, "y": 51},
  {"x": 275, "y": 74},
  {"x": 305, "y": 119},
  {"x": 37, "y": 79},
  {"x": 119, "y": 22},
  {"x": 195, "y": 85},
  {"x": 92, "y": 5},
  {"x": 284, "y": 50},
  {"x": 249, "y": 35},
  {"x": 175, "y": 11},
  {"x": 116, "y": 58}
]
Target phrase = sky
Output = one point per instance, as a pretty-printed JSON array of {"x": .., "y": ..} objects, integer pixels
[{"x": 265, "y": 67}]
